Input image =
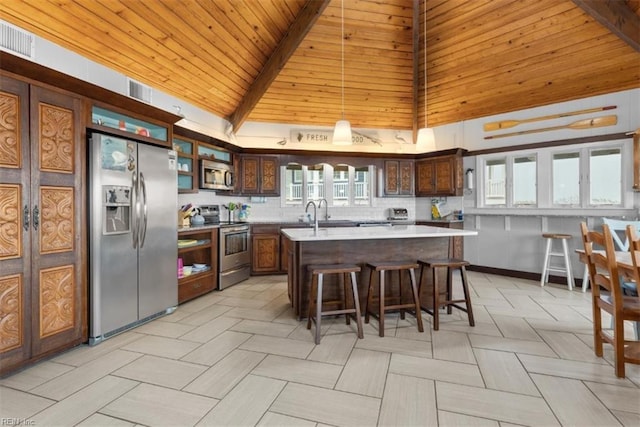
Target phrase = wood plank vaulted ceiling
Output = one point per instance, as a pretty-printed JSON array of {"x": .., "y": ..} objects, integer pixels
[{"x": 279, "y": 61}]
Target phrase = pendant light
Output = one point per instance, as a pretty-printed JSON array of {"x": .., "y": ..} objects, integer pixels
[
  {"x": 342, "y": 131},
  {"x": 426, "y": 139}
]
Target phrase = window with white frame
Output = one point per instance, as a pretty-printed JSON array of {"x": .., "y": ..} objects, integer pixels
[
  {"x": 566, "y": 178},
  {"x": 510, "y": 181},
  {"x": 605, "y": 177},
  {"x": 495, "y": 182},
  {"x": 587, "y": 176},
  {"x": 340, "y": 185},
  {"x": 525, "y": 180}
]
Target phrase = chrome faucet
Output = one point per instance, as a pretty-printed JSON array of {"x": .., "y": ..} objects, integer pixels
[
  {"x": 326, "y": 208},
  {"x": 315, "y": 215}
]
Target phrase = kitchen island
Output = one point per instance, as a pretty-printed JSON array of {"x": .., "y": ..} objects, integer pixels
[{"x": 359, "y": 245}]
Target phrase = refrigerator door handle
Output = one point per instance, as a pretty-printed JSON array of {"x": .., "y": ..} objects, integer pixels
[
  {"x": 143, "y": 232},
  {"x": 135, "y": 215}
]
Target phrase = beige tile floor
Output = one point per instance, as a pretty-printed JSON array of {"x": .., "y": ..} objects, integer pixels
[{"x": 239, "y": 358}]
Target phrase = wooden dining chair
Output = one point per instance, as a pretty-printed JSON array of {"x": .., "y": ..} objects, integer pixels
[
  {"x": 603, "y": 271},
  {"x": 631, "y": 288}
]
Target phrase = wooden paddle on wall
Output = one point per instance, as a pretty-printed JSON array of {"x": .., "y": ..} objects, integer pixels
[
  {"x": 505, "y": 124},
  {"x": 596, "y": 122}
]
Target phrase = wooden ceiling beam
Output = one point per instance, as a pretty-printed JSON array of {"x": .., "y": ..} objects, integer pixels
[
  {"x": 617, "y": 17},
  {"x": 276, "y": 62}
]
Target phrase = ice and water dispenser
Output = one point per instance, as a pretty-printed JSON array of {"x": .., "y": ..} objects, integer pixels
[{"x": 116, "y": 208}]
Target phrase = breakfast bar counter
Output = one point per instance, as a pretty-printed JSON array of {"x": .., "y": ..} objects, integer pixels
[{"x": 359, "y": 245}]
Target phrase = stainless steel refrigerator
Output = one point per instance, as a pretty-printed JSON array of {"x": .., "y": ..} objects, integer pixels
[{"x": 133, "y": 234}]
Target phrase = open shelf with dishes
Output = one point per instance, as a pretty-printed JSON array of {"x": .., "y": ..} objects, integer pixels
[{"x": 198, "y": 252}]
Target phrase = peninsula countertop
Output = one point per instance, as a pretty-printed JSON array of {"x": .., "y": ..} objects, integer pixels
[{"x": 370, "y": 233}]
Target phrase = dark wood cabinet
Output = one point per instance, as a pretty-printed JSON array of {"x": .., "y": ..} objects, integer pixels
[
  {"x": 203, "y": 249},
  {"x": 439, "y": 176},
  {"x": 187, "y": 150},
  {"x": 43, "y": 299},
  {"x": 265, "y": 246},
  {"x": 398, "y": 178},
  {"x": 259, "y": 175},
  {"x": 265, "y": 249}
]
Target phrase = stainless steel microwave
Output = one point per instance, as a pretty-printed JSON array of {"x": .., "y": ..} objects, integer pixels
[{"x": 216, "y": 175}]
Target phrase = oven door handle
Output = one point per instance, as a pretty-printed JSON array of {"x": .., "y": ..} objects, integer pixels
[{"x": 228, "y": 230}]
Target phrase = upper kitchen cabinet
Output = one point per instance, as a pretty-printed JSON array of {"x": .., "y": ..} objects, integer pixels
[
  {"x": 43, "y": 229},
  {"x": 398, "y": 178},
  {"x": 113, "y": 120},
  {"x": 187, "y": 164},
  {"x": 439, "y": 176},
  {"x": 258, "y": 175}
]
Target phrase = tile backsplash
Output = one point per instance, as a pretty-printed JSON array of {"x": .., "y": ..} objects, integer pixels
[{"x": 272, "y": 210}]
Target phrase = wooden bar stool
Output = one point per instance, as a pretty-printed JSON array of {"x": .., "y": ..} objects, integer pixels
[
  {"x": 315, "y": 295},
  {"x": 398, "y": 266},
  {"x": 547, "y": 267},
  {"x": 450, "y": 264}
]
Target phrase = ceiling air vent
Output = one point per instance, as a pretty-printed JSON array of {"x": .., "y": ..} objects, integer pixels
[
  {"x": 139, "y": 91},
  {"x": 17, "y": 41}
]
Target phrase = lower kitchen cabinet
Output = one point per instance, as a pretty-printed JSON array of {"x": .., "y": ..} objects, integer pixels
[
  {"x": 265, "y": 247},
  {"x": 198, "y": 246},
  {"x": 269, "y": 248},
  {"x": 456, "y": 248}
]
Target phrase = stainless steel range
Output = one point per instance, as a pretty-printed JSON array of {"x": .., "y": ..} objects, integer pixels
[{"x": 234, "y": 254}]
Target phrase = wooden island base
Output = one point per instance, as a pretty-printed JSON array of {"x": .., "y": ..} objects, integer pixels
[{"x": 359, "y": 251}]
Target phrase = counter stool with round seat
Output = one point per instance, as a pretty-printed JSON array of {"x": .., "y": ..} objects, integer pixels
[
  {"x": 380, "y": 268},
  {"x": 547, "y": 267},
  {"x": 315, "y": 295},
  {"x": 450, "y": 264}
]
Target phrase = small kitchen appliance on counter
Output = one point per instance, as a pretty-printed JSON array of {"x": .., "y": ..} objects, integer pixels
[
  {"x": 211, "y": 214},
  {"x": 398, "y": 214}
]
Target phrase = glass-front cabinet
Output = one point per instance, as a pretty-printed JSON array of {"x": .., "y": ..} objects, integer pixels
[
  {"x": 121, "y": 123},
  {"x": 187, "y": 164}
]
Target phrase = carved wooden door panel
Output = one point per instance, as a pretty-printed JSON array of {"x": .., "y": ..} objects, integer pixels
[
  {"x": 269, "y": 174},
  {"x": 57, "y": 278},
  {"x": 266, "y": 253},
  {"x": 250, "y": 166},
  {"x": 425, "y": 178},
  {"x": 444, "y": 176},
  {"x": 15, "y": 254}
]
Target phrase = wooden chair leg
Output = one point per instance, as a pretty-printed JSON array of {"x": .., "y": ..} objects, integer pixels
[
  {"x": 369, "y": 297},
  {"x": 381, "y": 304},
  {"x": 436, "y": 300},
  {"x": 597, "y": 329},
  {"x": 312, "y": 298},
  {"x": 318, "y": 308},
  {"x": 342, "y": 277},
  {"x": 400, "y": 293},
  {"x": 618, "y": 346},
  {"x": 449, "y": 288},
  {"x": 416, "y": 299},
  {"x": 356, "y": 303},
  {"x": 467, "y": 297}
]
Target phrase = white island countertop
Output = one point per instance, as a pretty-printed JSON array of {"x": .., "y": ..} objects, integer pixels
[{"x": 371, "y": 233}]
